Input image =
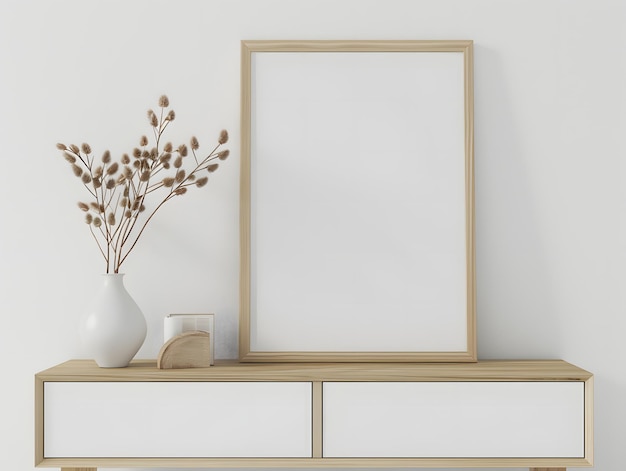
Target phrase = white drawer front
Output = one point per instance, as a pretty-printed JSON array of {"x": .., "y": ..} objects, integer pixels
[
  {"x": 453, "y": 419},
  {"x": 177, "y": 419}
]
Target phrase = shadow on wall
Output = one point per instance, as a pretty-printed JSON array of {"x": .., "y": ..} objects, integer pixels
[{"x": 516, "y": 308}]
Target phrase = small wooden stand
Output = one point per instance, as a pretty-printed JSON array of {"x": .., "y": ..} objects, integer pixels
[{"x": 187, "y": 350}]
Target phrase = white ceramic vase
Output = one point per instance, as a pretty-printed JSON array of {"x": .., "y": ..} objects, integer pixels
[{"x": 114, "y": 328}]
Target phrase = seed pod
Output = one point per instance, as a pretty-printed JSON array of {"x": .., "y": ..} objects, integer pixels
[
  {"x": 88, "y": 218},
  {"x": 223, "y": 155},
  {"x": 163, "y": 101},
  {"x": 154, "y": 121},
  {"x": 113, "y": 168},
  {"x": 212, "y": 168},
  {"x": 83, "y": 206},
  {"x": 86, "y": 178},
  {"x": 95, "y": 206},
  {"x": 74, "y": 148},
  {"x": 168, "y": 147},
  {"x": 97, "y": 172},
  {"x": 106, "y": 157},
  {"x": 171, "y": 116},
  {"x": 168, "y": 182},
  {"x": 145, "y": 176},
  {"x": 97, "y": 182},
  {"x": 180, "y": 191},
  {"x": 178, "y": 162},
  {"x": 128, "y": 213},
  {"x": 194, "y": 143},
  {"x": 143, "y": 141},
  {"x": 61, "y": 146},
  {"x": 223, "y": 137},
  {"x": 97, "y": 222},
  {"x": 77, "y": 170},
  {"x": 202, "y": 181},
  {"x": 136, "y": 152},
  {"x": 86, "y": 148},
  {"x": 125, "y": 159},
  {"x": 124, "y": 202},
  {"x": 128, "y": 172},
  {"x": 110, "y": 184},
  {"x": 180, "y": 175},
  {"x": 111, "y": 219},
  {"x": 182, "y": 150},
  {"x": 69, "y": 157}
]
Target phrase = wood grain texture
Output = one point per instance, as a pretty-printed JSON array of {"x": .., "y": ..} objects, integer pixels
[
  {"x": 317, "y": 420},
  {"x": 146, "y": 370},
  {"x": 555, "y": 464},
  {"x": 79, "y": 469},
  {"x": 187, "y": 350},
  {"x": 248, "y": 47}
]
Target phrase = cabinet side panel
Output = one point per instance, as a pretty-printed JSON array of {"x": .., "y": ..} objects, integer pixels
[
  {"x": 177, "y": 419},
  {"x": 454, "y": 419}
]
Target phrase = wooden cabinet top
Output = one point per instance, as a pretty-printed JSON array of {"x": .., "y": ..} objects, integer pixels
[{"x": 495, "y": 370}]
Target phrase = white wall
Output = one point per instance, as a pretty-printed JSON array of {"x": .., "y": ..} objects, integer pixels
[{"x": 550, "y": 178}]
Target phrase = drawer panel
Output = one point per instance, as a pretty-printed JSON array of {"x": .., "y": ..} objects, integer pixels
[
  {"x": 177, "y": 419},
  {"x": 453, "y": 419}
]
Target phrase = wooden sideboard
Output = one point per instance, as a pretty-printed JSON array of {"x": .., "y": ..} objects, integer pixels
[{"x": 536, "y": 414}]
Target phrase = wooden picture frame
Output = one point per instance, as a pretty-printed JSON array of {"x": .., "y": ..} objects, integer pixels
[{"x": 357, "y": 202}]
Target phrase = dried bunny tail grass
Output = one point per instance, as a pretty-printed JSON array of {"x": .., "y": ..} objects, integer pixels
[
  {"x": 182, "y": 150},
  {"x": 202, "y": 181},
  {"x": 154, "y": 121},
  {"x": 145, "y": 176},
  {"x": 168, "y": 182},
  {"x": 96, "y": 207},
  {"x": 69, "y": 157},
  {"x": 88, "y": 218},
  {"x": 111, "y": 219},
  {"x": 124, "y": 202},
  {"x": 113, "y": 168},
  {"x": 125, "y": 159},
  {"x": 97, "y": 222},
  {"x": 77, "y": 170},
  {"x": 136, "y": 152},
  {"x": 86, "y": 148},
  {"x": 171, "y": 116},
  {"x": 223, "y": 137},
  {"x": 74, "y": 148},
  {"x": 178, "y": 162},
  {"x": 212, "y": 168},
  {"x": 195, "y": 145},
  {"x": 168, "y": 147},
  {"x": 164, "y": 102},
  {"x": 83, "y": 206},
  {"x": 143, "y": 141},
  {"x": 180, "y": 175},
  {"x": 61, "y": 146},
  {"x": 106, "y": 157},
  {"x": 128, "y": 214},
  {"x": 127, "y": 172},
  {"x": 98, "y": 171},
  {"x": 223, "y": 155},
  {"x": 180, "y": 191},
  {"x": 86, "y": 178}
]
